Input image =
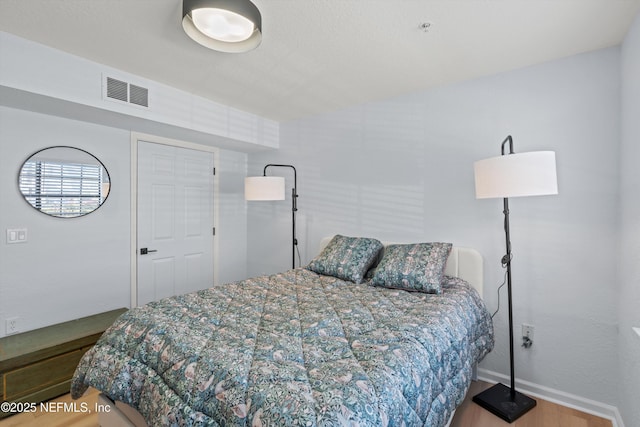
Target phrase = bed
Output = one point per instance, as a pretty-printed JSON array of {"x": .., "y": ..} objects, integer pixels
[{"x": 325, "y": 345}]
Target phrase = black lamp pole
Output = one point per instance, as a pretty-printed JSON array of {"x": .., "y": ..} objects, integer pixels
[
  {"x": 503, "y": 401},
  {"x": 294, "y": 207},
  {"x": 506, "y": 260}
]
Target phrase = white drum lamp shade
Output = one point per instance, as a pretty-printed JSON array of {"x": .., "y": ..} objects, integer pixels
[
  {"x": 264, "y": 188},
  {"x": 516, "y": 175}
]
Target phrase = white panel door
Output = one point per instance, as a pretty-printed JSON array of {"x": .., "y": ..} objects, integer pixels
[{"x": 175, "y": 221}]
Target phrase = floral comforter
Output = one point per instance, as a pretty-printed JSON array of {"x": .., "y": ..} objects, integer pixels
[{"x": 295, "y": 348}]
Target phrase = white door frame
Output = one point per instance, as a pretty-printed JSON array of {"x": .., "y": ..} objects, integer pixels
[{"x": 135, "y": 137}]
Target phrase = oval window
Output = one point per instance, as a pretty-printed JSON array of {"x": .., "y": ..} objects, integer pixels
[{"x": 64, "y": 182}]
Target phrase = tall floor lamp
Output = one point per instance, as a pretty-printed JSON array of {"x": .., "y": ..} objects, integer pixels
[
  {"x": 512, "y": 175},
  {"x": 272, "y": 188}
]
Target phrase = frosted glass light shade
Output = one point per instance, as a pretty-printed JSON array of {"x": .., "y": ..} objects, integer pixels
[
  {"x": 264, "y": 188},
  {"x": 221, "y": 24},
  {"x": 516, "y": 175}
]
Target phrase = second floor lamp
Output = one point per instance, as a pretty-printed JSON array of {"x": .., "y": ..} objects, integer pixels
[
  {"x": 512, "y": 175},
  {"x": 261, "y": 188}
]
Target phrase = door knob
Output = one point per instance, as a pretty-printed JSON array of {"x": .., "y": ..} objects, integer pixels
[{"x": 144, "y": 251}]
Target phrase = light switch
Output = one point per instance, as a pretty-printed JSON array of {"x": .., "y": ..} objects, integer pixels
[{"x": 16, "y": 235}]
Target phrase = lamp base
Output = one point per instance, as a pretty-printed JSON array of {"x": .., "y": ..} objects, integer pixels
[{"x": 500, "y": 401}]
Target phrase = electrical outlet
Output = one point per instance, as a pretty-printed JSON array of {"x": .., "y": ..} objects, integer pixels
[
  {"x": 12, "y": 325},
  {"x": 527, "y": 335},
  {"x": 527, "y": 331}
]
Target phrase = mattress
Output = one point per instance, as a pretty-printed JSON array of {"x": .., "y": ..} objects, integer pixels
[{"x": 295, "y": 348}]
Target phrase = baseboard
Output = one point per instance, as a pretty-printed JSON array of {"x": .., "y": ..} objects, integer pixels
[{"x": 556, "y": 396}]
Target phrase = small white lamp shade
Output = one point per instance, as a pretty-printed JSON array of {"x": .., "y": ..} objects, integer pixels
[
  {"x": 516, "y": 175},
  {"x": 264, "y": 188}
]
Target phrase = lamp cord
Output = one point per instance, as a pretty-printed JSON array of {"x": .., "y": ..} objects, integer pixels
[{"x": 505, "y": 261}]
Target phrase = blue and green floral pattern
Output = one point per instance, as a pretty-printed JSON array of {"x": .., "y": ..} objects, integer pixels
[
  {"x": 414, "y": 267},
  {"x": 293, "y": 349},
  {"x": 347, "y": 258}
]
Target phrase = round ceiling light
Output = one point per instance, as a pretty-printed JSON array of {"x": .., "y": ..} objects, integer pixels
[{"x": 223, "y": 25}]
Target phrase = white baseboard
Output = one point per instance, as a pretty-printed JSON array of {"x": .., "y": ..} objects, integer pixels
[{"x": 556, "y": 396}]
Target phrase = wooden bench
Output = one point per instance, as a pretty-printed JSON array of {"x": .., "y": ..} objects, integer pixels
[{"x": 38, "y": 365}]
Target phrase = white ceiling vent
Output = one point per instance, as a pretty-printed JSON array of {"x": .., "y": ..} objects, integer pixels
[{"x": 119, "y": 90}]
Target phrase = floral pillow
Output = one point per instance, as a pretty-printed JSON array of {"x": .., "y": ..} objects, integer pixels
[
  {"x": 413, "y": 267},
  {"x": 347, "y": 258}
]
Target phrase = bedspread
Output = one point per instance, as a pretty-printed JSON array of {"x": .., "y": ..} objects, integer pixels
[{"x": 295, "y": 348}]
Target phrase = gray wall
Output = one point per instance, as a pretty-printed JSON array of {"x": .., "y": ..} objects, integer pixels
[
  {"x": 629, "y": 286},
  {"x": 71, "y": 268},
  {"x": 232, "y": 221},
  {"x": 68, "y": 268},
  {"x": 402, "y": 169}
]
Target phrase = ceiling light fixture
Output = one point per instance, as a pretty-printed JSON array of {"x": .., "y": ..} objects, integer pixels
[{"x": 224, "y": 25}]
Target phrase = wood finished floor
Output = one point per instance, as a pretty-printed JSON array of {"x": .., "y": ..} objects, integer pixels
[
  {"x": 545, "y": 414},
  {"x": 58, "y": 419}
]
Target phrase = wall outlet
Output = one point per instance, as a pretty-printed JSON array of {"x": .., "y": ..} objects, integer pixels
[
  {"x": 527, "y": 331},
  {"x": 12, "y": 325},
  {"x": 527, "y": 335}
]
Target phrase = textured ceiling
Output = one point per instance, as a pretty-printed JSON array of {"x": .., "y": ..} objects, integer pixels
[{"x": 321, "y": 55}]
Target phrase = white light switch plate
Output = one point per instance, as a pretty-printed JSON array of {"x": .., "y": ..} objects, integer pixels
[{"x": 16, "y": 235}]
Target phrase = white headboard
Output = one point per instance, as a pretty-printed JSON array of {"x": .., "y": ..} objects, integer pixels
[{"x": 465, "y": 263}]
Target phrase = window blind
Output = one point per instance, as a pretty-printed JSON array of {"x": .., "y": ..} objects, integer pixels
[{"x": 62, "y": 189}]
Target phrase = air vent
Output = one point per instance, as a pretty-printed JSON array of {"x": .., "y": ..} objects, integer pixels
[
  {"x": 119, "y": 90},
  {"x": 139, "y": 95}
]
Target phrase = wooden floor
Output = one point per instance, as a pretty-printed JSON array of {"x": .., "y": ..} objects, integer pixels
[
  {"x": 63, "y": 418},
  {"x": 545, "y": 414}
]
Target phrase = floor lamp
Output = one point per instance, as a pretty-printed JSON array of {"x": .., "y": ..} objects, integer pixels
[
  {"x": 512, "y": 175},
  {"x": 272, "y": 188}
]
